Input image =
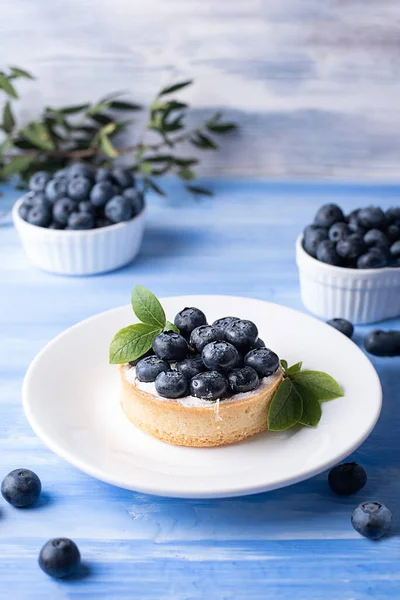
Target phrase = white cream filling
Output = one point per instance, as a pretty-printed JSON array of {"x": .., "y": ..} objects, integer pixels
[{"x": 150, "y": 388}]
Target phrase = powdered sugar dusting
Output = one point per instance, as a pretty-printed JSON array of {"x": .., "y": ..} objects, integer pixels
[{"x": 150, "y": 388}]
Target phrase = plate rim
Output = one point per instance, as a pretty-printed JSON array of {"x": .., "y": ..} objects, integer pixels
[{"x": 185, "y": 493}]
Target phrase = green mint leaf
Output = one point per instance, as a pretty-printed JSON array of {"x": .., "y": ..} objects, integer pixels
[
  {"x": 286, "y": 407},
  {"x": 319, "y": 385},
  {"x": 175, "y": 87},
  {"x": 294, "y": 368},
  {"x": 8, "y": 118},
  {"x": 284, "y": 364},
  {"x": 17, "y": 72},
  {"x": 7, "y": 86},
  {"x": 171, "y": 327},
  {"x": 132, "y": 342},
  {"x": 147, "y": 307},
  {"x": 312, "y": 412}
]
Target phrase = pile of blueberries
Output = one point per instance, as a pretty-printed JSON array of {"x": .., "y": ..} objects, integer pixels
[
  {"x": 206, "y": 361},
  {"x": 368, "y": 238},
  {"x": 79, "y": 197}
]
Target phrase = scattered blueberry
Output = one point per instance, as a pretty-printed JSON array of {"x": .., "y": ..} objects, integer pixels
[
  {"x": 171, "y": 384},
  {"x": 347, "y": 478},
  {"x": 62, "y": 209},
  {"x": 149, "y": 367},
  {"x": 101, "y": 193},
  {"x": 56, "y": 188},
  {"x": 188, "y": 319},
  {"x": 326, "y": 252},
  {"x": 374, "y": 259},
  {"x": 170, "y": 345},
  {"x": 343, "y": 326},
  {"x": 339, "y": 231},
  {"x": 263, "y": 361},
  {"x": 60, "y": 558},
  {"x": 376, "y": 237},
  {"x": 221, "y": 324},
  {"x": 243, "y": 380},
  {"x": 395, "y": 249},
  {"x": 219, "y": 356},
  {"x": 118, "y": 209},
  {"x": 242, "y": 334},
  {"x": 136, "y": 198},
  {"x": 327, "y": 215},
  {"x": 203, "y": 335},
  {"x": 372, "y": 520},
  {"x": 39, "y": 216},
  {"x": 38, "y": 181},
  {"x": 191, "y": 366},
  {"x": 123, "y": 178},
  {"x": 79, "y": 188},
  {"x": 372, "y": 217},
  {"x": 21, "y": 488},
  {"x": 383, "y": 343},
  {"x": 209, "y": 385},
  {"x": 80, "y": 220},
  {"x": 313, "y": 238}
]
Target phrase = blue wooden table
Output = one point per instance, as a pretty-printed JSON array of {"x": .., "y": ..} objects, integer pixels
[{"x": 292, "y": 543}]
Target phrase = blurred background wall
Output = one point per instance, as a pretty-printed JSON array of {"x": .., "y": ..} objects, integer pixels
[{"x": 314, "y": 84}]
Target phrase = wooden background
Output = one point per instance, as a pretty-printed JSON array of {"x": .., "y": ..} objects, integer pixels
[{"x": 313, "y": 83}]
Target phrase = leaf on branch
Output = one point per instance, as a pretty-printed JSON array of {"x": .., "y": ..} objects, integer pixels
[
  {"x": 107, "y": 147},
  {"x": 174, "y": 125},
  {"x": 7, "y": 86},
  {"x": 119, "y": 105},
  {"x": 185, "y": 162},
  {"x": 145, "y": 168},
  {"x": 102, "y": 118},
  {"x": 203, "y": 142},
  {"x": 94, "y": 109},
  {"x": 150, "y": 183},
  {"x": 8, "y": 118},
  {"x": 18, "y": 164},
  {"x": 175, "y": 87},
  {"x": 72, "y": 110},
  {"x": 198, "y": 191},
  {"x": 186, "y": 174},
  {"x": 38, "y": 134},
  {"x": 221, "y": 127},
  {"x": 17, "y": 72}
]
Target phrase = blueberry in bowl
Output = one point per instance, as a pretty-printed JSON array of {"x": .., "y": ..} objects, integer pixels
[{"x": 79, "y": 221}]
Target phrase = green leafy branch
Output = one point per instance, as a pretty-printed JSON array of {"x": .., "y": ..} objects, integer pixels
[{"x": 92, "y": 133}]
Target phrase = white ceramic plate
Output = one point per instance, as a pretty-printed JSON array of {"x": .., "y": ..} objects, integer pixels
[{"x": 71, "y": 398}]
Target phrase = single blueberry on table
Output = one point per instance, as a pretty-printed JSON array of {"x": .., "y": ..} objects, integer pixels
[
  {"x": 242, "y": 334},
  {"x": 243, "y": 380},
  {"x": 21, "y": 488},
  {"x": 383, "y": 343},
  {"x": 343, "y": 326},
  {"x": 376, "y": 237},
  {"x": 393, "y": 232},
  {"x": 395, "y": 249},
  {"x": 219, "y": 356},
  {"x": 327, "y": 215},
  {"x": 372, "y": 520},
  {"x": 326, "y": 253},
  {"x": 80, "y": 221},
  {"x": 102, "y": 175},
  {"x": 210, "y": 385},
  {"x": 347, "y": 479},
  {"x": 87, "y": 207},
  {"x": 79, "y": 188},
  {"x": 188, "y": 319},
  {"x": 101, "y": 193},
  {"x": 136, "y": 198},
  {"x": 312, "y": 239},
  {"x": 221, "y": 324},
  {"x": 339, "y": 231},
  {"x": 191, "y": 366},
  {"x": 62, "y": 209},
  {"x": 375, "y": 258},
  {"x": 60, "y": 558},
  {"x": 38, "y": 181},
  {"x": 171, "y": 384},
  {"x": 371, "y": 217},
  {"x": 203, "y": 335},
  {"x": 170, "y": 345},
  {"x": 149, "y": 367},
  {"x": 118, "y": 209},
  {"x": 56, "y": 188},
  {"x": 39, "y": 216},
  {"x": 123, "y": 178},
  {"x": 263, "y": 360},
  {"x": 351, "y": 248}
]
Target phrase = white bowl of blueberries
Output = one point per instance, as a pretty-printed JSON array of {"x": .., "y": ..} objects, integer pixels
[
  {"x": 81, "y": 221},
  {"x": 349, "y": 266}
]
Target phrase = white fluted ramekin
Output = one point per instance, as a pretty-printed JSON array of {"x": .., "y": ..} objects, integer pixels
[
  {"x": 80, "y": 252},
  {"x": 359, "y": 295}
]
